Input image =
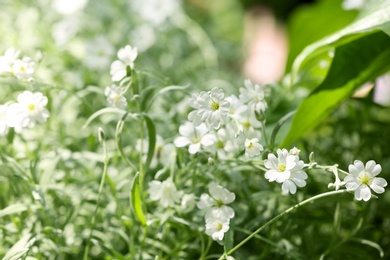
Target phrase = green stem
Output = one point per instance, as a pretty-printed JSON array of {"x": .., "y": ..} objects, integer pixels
[
  {"x": 93, "y": 221},
  {"x": 326, "y": 194},
  {"x": 277, "y": 127}
]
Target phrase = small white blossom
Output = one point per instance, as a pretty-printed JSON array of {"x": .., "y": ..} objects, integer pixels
[
  {"x": 352, "y": 4},
  {"x": 8, "y": 59},
  {"x": 216, "y": 203},
  {"x": 194, "y": 136},
  {"x": 69, "y": 7},
  {"x": 252, "y": 147},
  {"x": 249, "y": 123},
  {"x": 24, "y": 68},
  {"x": 216, "y": 226},
  {"x": 211, "y": 108},
  {"x": 155, "y": 11},
  {"x": 236, "y": 107},
  {"x": 126, "y": 56},
  {"x": 115, "y": 97},
  {"x": 286, "y": 169},
  {"x": 294, "y": 151},
  {"x": 253, "y": 96},
  {"x": 165, "y": 192},
  {"x": 363, "y": 179},
  {"x": 98, "y": 53},
  {"x": 162, "y": 151},
  {"x": 29, "y": 110}
]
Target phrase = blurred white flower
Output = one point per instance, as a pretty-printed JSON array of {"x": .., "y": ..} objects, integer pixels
[
  {"x": 126, "y": 56},
  {"x": 216, "y": 203},
  {"x": 162, "y": 151},
  {"x": 216, "y": 225},
  {"x": 352, "y": 4},
  {"x": 8, "y": 59},
  {"x": 155, "y": 11},
  {"x": 68, "y": 7},
  {"x": 253, "y": 96},
  {"x": 98, "y": 53},
  {"x": 294, "y": 151},
  {"x": 211, "y": 108},
  {"x": 286, "y": 169},
  {"x": 3, "y": 119},
  {"x": 236, "y": 106},
  {"x": 248, "y": 123},
  {"x": 165, "y": 192},
  {"x": 29, "y": 110},
  {"x": 115, "y": 96},
  {"x": 64, "y": 30},
  {"x": 143, "y": 37},
  {"x": 252, "y": 147},
  {"x": 24, "y": 68},
  {"x": 188, "y": 202},
  {"x": 194, "y": 136},
  {"x": 225, "y": 145},
  {"x": 363, "y": 179}
]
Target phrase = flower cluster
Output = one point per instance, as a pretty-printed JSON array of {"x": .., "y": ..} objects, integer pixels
[
  {"x": 218, "y": 214},
  {"x": 30, "y": 107},
  {"x": 21, "y": 68},
  {"x": 120, "y": 70},
  {"x": 224, "y": 125}
]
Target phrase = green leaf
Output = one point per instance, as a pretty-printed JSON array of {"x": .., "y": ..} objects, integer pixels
[
  {"x": 229, "y": 237},
  {"x": 109, "y": 251},
  {"x": 371, "y": 244},
  {"x": 136, "y": 201},
  {"x": 377, "y": 19},
  {"x": 103, "y": 111},
  {"x": 354, "y": 64},
  {"x": 13, "y": 209},
  {"x": 152, "y": 141}
]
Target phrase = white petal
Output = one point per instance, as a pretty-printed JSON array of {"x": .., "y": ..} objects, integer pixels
[
  {"x": 378, "y": 185},
  {"x": 194, "y": 148},
  {"x": 181, "y": 141}
]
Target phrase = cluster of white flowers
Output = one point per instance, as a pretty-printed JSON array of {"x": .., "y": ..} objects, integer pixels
[
  {"x": 165, "y": 192},
  {"x": 215, "y": 117},
  {"x": 119, "y": 71},
  {"x": 218, "y": 214},
  {"x": 30, "y": 107},
  {"x": 21, "y": 68}
]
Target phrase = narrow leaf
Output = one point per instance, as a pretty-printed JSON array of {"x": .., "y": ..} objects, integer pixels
[
  {"x": 13, "y": 209},
  {"x": 152, "y": 141},
  {"x": 136, "y": 201},
  {"x": 101, "y": 112}
]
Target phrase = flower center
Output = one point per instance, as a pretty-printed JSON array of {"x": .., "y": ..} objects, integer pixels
[
  {"x": 219, "y": 203},
  {"x": 22, "y": 69},
  {"x": 220, "y": 145},
  {"x": 250, "y": 145},
  {"x": 219, "y": 227},
  {"x": 214, "y": 106},
  {"x": 365, "y": 179},
  {"x": 31, "y": 107},
  {"x": 281, "y": 167}
]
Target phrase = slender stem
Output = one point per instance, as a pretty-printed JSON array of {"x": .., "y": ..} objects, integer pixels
[
  {"x": 326, "y": 194},
  {"x": 277, "y": 127},
  {"x": 93, "y": 221}
]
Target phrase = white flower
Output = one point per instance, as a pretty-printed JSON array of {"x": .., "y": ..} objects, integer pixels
[
  {"x": 8, "y": 59},
  {"x": 216, "y": 203},
  {"x": 64, "y": 30},
  {"x": 352, "y": 4},
  {"x": 165, "y": 192},
  {"x": 236, "y": 107},
  {"x": 194, "y": 136},
  {"x": 216, "y": 226},
  {"x": 155, "y": 11},
  {"x": 29, "y": 110},
  {"x": 225, "y": 145},
  {"x": 68, "y": 7},
  {"x": 362, "y": 179},
  {"x": 188, "y": 202},
  {"x": 211, "y": 108},
  {"x": 252, "y": 147},
  {"x": 248, "y": 123},
  {"x": 115, "y": 97},
  {"x": 3, "y": 119},
  {"x": 23, "y": 69},
  {"x": 294, "y": 151},
  {"x": 286, "y": 169},
  {"x": 126, "y": 56},
  {"x": 162, "y": 151},
  {"x": 253, "y": 96},
  {"x": 98, "y": 53}
]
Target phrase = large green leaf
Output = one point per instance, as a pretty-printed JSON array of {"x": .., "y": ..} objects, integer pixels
[
  {"x": 136, "y": 202},
  {"x": 377, "y": 18},
  {"x": 354, "y": 64}
]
